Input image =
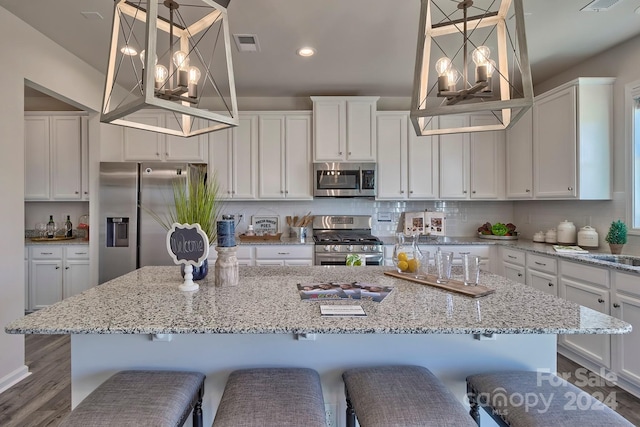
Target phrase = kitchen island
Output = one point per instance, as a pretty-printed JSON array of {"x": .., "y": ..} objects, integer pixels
[{"x": 127, "y": 322}]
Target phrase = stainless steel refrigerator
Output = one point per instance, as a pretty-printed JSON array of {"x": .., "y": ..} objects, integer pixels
[{"x": 129, "y": 237}]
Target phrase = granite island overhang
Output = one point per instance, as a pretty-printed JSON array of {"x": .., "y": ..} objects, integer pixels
[{"x": 263, "y": 322}]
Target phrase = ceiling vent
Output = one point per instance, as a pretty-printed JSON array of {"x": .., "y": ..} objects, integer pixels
[
  {"x": 247, "y": 42},
  {"x": 600, "y": 5}
]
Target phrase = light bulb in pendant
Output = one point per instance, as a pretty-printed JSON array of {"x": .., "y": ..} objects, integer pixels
[
  {"x": 161, "y": 75},
  {"x": 443, "y": 65},
  {"x": 452, "y": 78},
  {"x": 143, "y": 56},
  {"x": 194, "y": 78},
  {"x": 480, "y": 57},
  {"x": 181, "y": 60}
]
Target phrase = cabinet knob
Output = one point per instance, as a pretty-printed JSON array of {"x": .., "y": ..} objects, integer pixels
[
  {"x": 57, "y": 267},
  {"x": 286, "y": 191},
  {"x": 281, "y": 191},
  {"x": 157, "y": 154},
  {"x": 77, "y": 192},
  {"x": 349, "y": 152},
  {"x": 600, "y": 300},
  {"x": 464, "y": 191},
  {"x": 527, "y": 191},
  {"x": 228, "y": 191},
  {"x": 410, "y": 191},
  {"x": 616, "y": 305},
  {"x": 401, "y": 191},
  {"x": 86, "y": 192},
  {"x": 570, "y": 188},
  {"x": 474, "y": 191},
  {"x": 550, "y": 284},
  {"x": 519, "y": 274},
  {"x": 233, "y": 192},
  {"x": 340, "y": 153},
  {"x": 66, "y": 268},
  {"x": 166, "y": 154}
]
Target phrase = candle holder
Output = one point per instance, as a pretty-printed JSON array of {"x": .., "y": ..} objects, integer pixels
[{"x": 226, "y": 268}]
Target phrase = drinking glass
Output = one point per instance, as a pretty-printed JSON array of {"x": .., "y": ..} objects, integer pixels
[
  {"x": 423, "y": 264},
  {"x": 471, "y": 269},
  {"x": 41, "y": 228},
  {"x": 443, "y": 261}
]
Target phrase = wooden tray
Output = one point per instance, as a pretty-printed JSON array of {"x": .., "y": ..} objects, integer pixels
[
  {"x": 451, "y": 285},
  {"x": 52, "y": 239},
  {"x": 265, "y": 238}
]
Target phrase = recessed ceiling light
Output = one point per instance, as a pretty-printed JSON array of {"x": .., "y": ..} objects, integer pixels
[
  {"x": 92, "y": 16},
  {"x": 306, "y": 51},
  {"x": 128, "y": 50}
]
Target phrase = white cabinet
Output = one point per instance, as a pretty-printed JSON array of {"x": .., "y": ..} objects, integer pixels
[
  {"x": 26, "y": 279},
  {"x": 626, "y": 306},
  {"x": 407, "y": 165},
  {"x": 344, "y": 128},
  {"x": 233, "y": 158},
  {"x": 143, "y": 145},
  {"x": 519, "y": 154},
  {"x": 284, "y": 255},
  {"x": 572, "y": 140},
  {"x": 57, "y": 272},
  {"x": 244, "y": 254},
  {"x": 589, "y": 287},
  {"x": 471, "y": 164},
  {"x": 513, "y": 264},
  {"x": 53, "y": 157},
  {"x": 284, "y": 153},
  {"x": 541, "y": 273}
]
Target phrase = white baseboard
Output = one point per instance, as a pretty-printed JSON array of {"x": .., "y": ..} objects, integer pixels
[{"x": 14, "y": 377}]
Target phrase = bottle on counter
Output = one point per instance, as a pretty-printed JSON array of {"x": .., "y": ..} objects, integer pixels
[
  {"x": 68, "y": 227},
  {"x": 51, "y": 228}
]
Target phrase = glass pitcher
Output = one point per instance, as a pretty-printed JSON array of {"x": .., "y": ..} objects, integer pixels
[{"x": 407, "y": 257}]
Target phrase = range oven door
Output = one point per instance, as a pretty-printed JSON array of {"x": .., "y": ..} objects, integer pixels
[{"x": 340, "y": 259}]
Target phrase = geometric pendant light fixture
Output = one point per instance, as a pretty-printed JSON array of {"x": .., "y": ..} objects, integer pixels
[
  {"x": 471, "y": 58},
  {"x": 172, "y": 56}
]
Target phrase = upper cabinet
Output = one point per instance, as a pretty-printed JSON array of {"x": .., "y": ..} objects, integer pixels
[
  {"x": 142, "y": 145},
  {"x": 53, "y": 158},
  {"x": 471, "y": 164},
  {"x": 233, "y": 158},
  {"x": 572, "y": 134},
  {"x": 407, "y": 164},
  {"x": 520, "y": 158},
  {"x": 344, "y": 129},
  {"x": 284, "y": 153}
]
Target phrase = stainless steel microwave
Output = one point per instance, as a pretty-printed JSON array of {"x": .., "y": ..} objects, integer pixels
[{"x": 344, "y": 179}]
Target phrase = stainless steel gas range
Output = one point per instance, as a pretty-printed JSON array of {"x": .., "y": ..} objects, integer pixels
[{"x": 337, "y": 236}]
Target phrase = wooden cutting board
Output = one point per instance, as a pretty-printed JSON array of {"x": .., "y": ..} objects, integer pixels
[{"x": 451, "y": 285}]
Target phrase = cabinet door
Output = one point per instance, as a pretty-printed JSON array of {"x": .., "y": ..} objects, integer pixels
[
  {"x": 554, "y": 145},
  {"x": 298, "y": 262},
  {"x": 140, "y": 145},
  {"x": 627, "y": 362},
  {"x": 45, "y": 283},
  {"x": 543, "y": 281},
  {"x": 220, "y": 160},
  {"x": 298, "y": 157},
  {"x": 27, "y": 305},
  {"x": 178, "y": 148},
  {"x": 66, "y": 159},
  {"x": 361, "y": 138},
  {"x": 454, "y": 161},
  {"x": 391, "y": 132},
  {"x": 596, "y": 348},
  {"x": 514, "y": 272},
  {"x": 486, "y": 160},
  {"x": 519, "y": 151},
  {"x": 36, "y": 158},
  {"x": 244, "y": 158},
  {"x": 269, "y": 262},
  {"x": 329, "y": 130},
  {"x": 271, "y": 157},
  {"x": 75, "y": 277},
  {"x": 422, "y": 166},
  {"x": 84, "y": 152}
]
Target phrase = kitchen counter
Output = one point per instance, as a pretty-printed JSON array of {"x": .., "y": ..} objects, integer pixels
[
  {"x": 147, "y": 301},
  {"x": 76, "y": 241}
]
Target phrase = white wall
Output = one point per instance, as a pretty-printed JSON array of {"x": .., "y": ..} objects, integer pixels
[{"x": 48, "y": 65}]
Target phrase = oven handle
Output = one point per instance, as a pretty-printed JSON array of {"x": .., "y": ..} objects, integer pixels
[{"x": 360, "y": 183}]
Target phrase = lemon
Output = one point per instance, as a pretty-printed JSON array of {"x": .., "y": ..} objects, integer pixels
[
  {"x": 402, "y": 256},
  {"x": 413, "y": 265},
  {"x": 403, "y": 265}
]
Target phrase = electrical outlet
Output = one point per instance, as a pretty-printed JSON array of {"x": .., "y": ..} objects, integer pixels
[{"x": 330, "y": 414}]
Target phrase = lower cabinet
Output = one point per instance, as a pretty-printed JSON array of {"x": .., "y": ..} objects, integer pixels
[
  {"x": 541, "y": 273},
  {"x": 244, "y": 254},
  {"x": 284, "y": 255},
  {"x": 589, "y": 287},
  {"x": 626, "y": 306},
  {"x": 57, "y": 272},
  {"x": 26, "y": 279},
  {"x": 513, "y": 265}
]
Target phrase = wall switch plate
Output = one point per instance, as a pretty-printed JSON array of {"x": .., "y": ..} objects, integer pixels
[
  {"x": 330, "y": 414},
  {"x": 384, "y": 216}
]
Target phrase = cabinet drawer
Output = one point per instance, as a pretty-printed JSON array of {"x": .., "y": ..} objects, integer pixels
[
  {"x": 77, "y": 252},
  {"x": 585, "y": 273},
  {"x": 284, "y": 251},
  {"x": 244, "y": 252},
  {"x": 627, "y": 283},
  {"x": 46, "y": 252},
  {"x": 542, "y": 263},
  {"x": 513, "y": 256}
]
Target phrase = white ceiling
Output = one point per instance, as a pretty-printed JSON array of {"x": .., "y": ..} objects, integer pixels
[{"x": 364, "y": 47}]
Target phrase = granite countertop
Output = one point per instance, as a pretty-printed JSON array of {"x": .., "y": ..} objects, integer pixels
[
  {"x": 266, "y": 300},
  {"x": 76, "y": 241}
]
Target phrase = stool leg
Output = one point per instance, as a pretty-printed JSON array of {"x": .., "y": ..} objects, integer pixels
[
  {"x": 197, "y": 409},
  {"x": 351, "y": 414},
  {"x": 474, "y": 410}
]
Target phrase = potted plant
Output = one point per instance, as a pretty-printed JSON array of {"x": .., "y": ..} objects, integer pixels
[
  {"x": 617, "y": 236},
  {"x": 197, "y": 202}
]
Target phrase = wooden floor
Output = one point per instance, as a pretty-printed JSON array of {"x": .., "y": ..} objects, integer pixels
[{"x": 44, "y": 398}]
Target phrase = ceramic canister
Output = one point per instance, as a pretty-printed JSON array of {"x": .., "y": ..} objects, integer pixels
[
  {"x": 588, "y": 237},
  {"x": 566, "y": 233},
  {"x": 226, "y": 229},
  {"x": 551, "y": 236}
]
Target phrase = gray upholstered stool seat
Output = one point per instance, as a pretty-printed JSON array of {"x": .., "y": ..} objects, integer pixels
[
  {"x": 532, "y": 399},
  {"x": 401, "y": 396},
  {"x": 141, "y": 398},
  {"x": 272, "y": 397}
]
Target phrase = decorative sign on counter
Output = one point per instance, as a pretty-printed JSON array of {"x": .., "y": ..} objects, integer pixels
[
  {"x": 429, "y": 223},
  {"x": 187, "y": 244}
]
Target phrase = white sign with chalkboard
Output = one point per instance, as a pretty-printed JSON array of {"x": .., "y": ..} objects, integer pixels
[{"x": 187, "y": 244}]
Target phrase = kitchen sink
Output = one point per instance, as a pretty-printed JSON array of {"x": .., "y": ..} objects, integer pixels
[{"x": 618, "y": 259}]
